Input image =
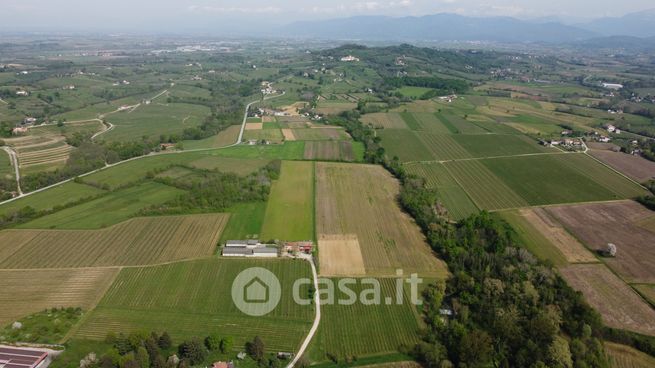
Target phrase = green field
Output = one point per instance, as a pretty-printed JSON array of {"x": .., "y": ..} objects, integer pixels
[
  {"x": 453, "y": 197},
  {"x": 489, "y": 145},
  {"x": 511, "y": 182},
  {"x": 290, "y": 210},
  {"x": 551, "y": 179},
  {"x": 246, "y": 221},
  {"x": 287, "y": 151},
  {"x": 532, "y": 239},
  {"x": 153, "y": 120},
  {"x": 107, "y": 210},
  {"x": 361, "y": 330},
  {"x": 57, "y": 196},
  {"x": 404, "y": 144},
  {"x": 192, "y": 298}
]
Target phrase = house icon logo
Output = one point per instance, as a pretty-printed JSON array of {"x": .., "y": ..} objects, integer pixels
[{"x": 256, "y": 291}]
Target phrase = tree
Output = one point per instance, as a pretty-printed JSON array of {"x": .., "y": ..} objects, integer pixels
[
  {"x": 559, "y": 354},
  {"x": 193, "y": 351},
  {"x": 212, "y": 342},
  {"x": 165, "y": 341},
  {"x": 475, "y": 348},
  {"x": 255, "y": 348},
  {"x": 226, "y": 344},
  {"x": 142, "y": 357}
]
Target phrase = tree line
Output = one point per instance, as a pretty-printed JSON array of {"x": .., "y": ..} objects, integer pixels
[{"x": 502, "y": 306}]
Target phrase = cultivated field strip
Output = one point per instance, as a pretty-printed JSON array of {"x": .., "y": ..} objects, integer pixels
[
  {"x": 429, "y": 122},
  {"x": 619, "y": 305},
  {"x": 443, "y": 147},
  {"x": 25, "y": 292},
  {"x": 192, "y": 298},
  {"x": 600, "y": 174},
  {"x": 361, "y": 200},
  {"x": 329, "y": 150},
  {"x": 622, "y": 356},
  {"x": 453, "y": 197},
  {"x": 370, "y": 329},
  {"x": 487, "y": 190},
  {"x": 61, "y": 153},
  {"x": 384, "y": 120},
  {"x": 138, "y": 241}
]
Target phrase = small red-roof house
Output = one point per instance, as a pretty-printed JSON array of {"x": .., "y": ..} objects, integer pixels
[{"x": 223, "y": 365}]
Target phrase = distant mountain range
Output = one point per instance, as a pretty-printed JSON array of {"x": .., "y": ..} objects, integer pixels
[{"x": 453, "y": 27}]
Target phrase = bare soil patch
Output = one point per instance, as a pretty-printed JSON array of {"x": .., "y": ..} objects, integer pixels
[
  {"x": 254, "y": 126},
  {"x": 619, "y": 305},
  {"x": 614, "y": 222},
  {"x": 288, "y": 135},
  {"x": 636, "y": 167},
  {"x": 573, "y": 250},
  {"x": 340, "y": 255}
]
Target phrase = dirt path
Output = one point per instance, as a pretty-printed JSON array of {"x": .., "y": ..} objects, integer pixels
[
  {"x": 107, "y": 129},
  {"x": 317, "y": 318},
  {"x": 14, "y": 162}
]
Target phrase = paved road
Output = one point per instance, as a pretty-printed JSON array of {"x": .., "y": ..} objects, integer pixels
[
  {"x": 238, "y": 141},
  {"x": 14, "y": 162},
  {"x": 317, "y": 318}
]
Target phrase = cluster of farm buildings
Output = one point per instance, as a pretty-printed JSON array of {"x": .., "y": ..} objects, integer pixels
[{"x": 254, "y": 248}]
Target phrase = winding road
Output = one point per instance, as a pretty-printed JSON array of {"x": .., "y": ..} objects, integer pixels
[{"x": 238, "y": 141}]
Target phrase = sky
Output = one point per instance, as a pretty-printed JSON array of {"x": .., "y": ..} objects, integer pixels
[{"x": 181, "y": 15}]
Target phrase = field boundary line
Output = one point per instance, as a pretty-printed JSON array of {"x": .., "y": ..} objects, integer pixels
[
  {"x": 144, "y": 156},
  {"x": 87, "y": 314},
  {"x": 616, "y": 171},
  {"x": 486, "y": 157}
]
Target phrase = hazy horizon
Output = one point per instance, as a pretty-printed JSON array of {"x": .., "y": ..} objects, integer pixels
[{"x": 215, "y": 15}]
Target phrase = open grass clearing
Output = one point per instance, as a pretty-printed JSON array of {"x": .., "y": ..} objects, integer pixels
[
  {"x": 290, "y": 210},
  {"x": 287, "y": 151},
  {"x": 245, "y": 222},
  {"x": 107, "y": 210},
  {"x": 361, "y": 200},
  {"x": 153, "y": 120},
  {"x": 140, "y": 241},
  {"x": 224, "y": 138},
  {"x": 58, "y": 196}
]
